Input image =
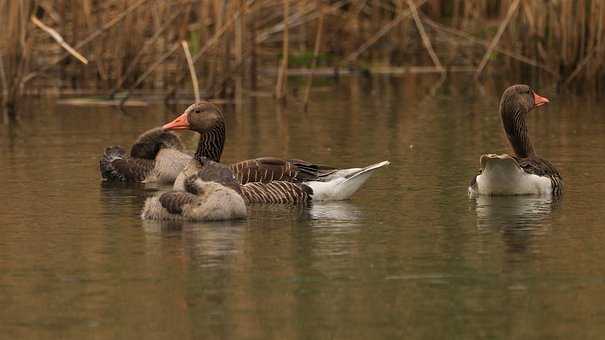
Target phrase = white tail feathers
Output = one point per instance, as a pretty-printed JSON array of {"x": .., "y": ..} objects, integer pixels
[{"x": 342, "y": 184}]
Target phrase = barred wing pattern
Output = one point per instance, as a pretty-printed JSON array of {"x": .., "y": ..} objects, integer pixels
[
  {"x": 174, "y": 201},
  {"x": 268, "y": 169},
  {"x": 276, "y": 192}
]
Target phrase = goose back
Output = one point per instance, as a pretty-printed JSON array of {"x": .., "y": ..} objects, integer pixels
[
  {"x": 267, "y": 169},
  {"x": 155, "y": 156}
]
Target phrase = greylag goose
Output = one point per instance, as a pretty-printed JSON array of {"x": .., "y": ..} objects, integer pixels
[
  {"x": 328, "y": 183},
  {"x": 155, "y": 156},
  {"x": 523, "y": 173},
  {"x": 213, "y": 193}
]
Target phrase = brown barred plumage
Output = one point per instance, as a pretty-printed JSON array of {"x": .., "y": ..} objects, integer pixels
[
  {"x": 212, "y": 142},
  {"x": 269, "y": 169},
  {"x": 173, "y": 201},
  {"x": 276, "y": 192}
]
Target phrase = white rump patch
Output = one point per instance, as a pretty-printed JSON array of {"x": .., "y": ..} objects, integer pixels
[{"x": 502, "y": 175}]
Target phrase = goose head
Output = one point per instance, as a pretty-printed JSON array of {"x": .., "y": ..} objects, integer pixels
[
  {"x": 515, "y": 103},
  {"x": 200, "y": 117},
  {"x": 519, "y": 99}
]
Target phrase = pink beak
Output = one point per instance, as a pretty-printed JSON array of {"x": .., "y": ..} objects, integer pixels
[
  {"x": 179, "y": 123},
  {"x": 539, "y": 100}
]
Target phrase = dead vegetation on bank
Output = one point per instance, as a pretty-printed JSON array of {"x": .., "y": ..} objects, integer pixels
[{"x": 230, "y": 48}]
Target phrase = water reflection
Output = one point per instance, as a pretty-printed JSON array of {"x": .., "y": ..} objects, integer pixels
[
  {"x": 340, "y": 211},
  {"x": 75, "y": 253},
  {"x": 518, "y": 218},
  {"x": 204, "y": 244}
]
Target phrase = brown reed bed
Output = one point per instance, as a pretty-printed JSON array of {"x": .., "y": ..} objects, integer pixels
[{"x": 239, "y": 47}]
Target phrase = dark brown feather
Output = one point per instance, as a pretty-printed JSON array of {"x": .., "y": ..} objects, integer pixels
[
  {"x": 213, "y": 172},
  {"x": 174, "y": 201},
  {"x": 149, "y": 143},
  {"x": 133, "y": 170},
  {"x": 269, "y": 169},
  {"x": 276, "y": 192},
  {"x": 541, "y": 167}
]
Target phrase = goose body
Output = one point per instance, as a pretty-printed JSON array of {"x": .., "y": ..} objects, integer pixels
[
  {"x": 339, "y": 185},
  {"x": 156, "y": 156},
  {"x": 210, "y": 195},
  {"x": 327, "y": 183},
  {"x": 275, "y": 192},
  {"x": 523, "y": 173},
  {"x": 217, "y": 204},
  {"x": 213, "y": 194},
  {"x": 504, "y": 175}
]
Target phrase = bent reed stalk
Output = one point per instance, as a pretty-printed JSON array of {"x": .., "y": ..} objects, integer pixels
[{"x": 131, "y": 44}]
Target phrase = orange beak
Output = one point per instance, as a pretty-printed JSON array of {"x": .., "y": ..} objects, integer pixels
[
  {"x": 179, "y": 123},
  {"x": 539, "y": 100}
]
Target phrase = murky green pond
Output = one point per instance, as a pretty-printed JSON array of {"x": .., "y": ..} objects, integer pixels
[{"x": 410, "y": 256}]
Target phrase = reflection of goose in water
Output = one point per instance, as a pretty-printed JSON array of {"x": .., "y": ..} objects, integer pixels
[
  {"x": 518, "y": 218},
  {"x": 205, "y": 243},
  {"x": 317, "y": 214},
  {"x": 326, "y": 213}
]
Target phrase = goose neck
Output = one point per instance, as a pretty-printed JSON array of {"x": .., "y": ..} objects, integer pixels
[
  {"x": 211, "y": 143},
  {"x": 514, "y": 122}
]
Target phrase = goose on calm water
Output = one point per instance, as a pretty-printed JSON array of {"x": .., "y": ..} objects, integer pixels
[
  {"x": 328, "y": 183},
  {"x": 523, "y": 173},
  {"x": 213, "y": 193},
  {"x": 156, "y": 156}
]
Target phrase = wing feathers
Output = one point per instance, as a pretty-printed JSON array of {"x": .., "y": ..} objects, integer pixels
[
  {"x": 276, "y": 192},
  {"x": 174, "y": 201},
  {"x": 268, "y": 169}
]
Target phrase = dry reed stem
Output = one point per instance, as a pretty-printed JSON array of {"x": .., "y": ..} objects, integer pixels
[
  {"x": 217, "y": 35},
  {"x": 552, "y": 36},
  {"x": 150, "y": 69},
  {"x": 320, "y": 26},
  {"x": 280, "y": 86},
  {"x": 84, "y": 42},
  {"x": 579, "y": 68},
  {"x": 384, "y": 30},
  {"x": 464, "y": 35},
  {"x": 209, "y": 44},
  {"x": 3, "y": 79},
  {"x": 425, "y": 38},
  {"x": 194, "y": 82},
  {"x": 130, "y": 68},
  {"x": 511, "y": 12},
  {"x": 59, "y": 39}
]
